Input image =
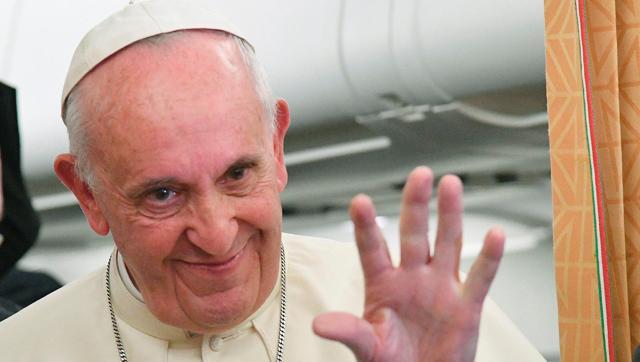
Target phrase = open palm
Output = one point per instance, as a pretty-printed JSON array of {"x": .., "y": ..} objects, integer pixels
[{"x": 420, "y": 310}]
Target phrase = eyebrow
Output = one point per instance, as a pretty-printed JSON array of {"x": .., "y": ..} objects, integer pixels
[{"x": 246, "y": 161}]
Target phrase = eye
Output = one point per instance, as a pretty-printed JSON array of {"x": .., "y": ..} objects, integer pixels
[
  {"x": 160, "y": 202},
  {"x": 240, "y": 178},
  {"x": 162, "y": 194},
  {"x": 237, "y": 173}
]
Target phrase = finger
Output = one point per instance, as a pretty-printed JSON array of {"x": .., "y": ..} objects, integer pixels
[
  {"x": 449, "y": 235},
  {"x": 356, "y": 333},
  {"x": 414, "y": 218},
  {"x": 484, "y": 269},
  {"x": 374, "y": 255}
]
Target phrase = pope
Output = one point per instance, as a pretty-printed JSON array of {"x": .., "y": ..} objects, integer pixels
[{"x": 176, "y": 149}]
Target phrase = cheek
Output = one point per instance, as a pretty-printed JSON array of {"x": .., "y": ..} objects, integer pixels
[
  {"x": 263, "y": 211},
  {"x": 146, "y": 243}
]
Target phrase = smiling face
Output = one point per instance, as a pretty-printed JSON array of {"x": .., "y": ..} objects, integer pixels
[{"x": 188, "y": 178}]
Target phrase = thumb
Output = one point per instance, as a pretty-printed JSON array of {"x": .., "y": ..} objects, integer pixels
[{"x": 354, "y": 332}]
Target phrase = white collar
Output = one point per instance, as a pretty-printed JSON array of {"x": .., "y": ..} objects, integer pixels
[
  {"x": 126, "y": 279},
  {"x": 135, "y": 313}
]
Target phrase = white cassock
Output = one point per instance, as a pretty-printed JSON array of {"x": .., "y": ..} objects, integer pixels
[{"x": 73, "y": 323}]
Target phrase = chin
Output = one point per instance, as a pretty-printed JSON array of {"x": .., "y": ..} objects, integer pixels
[{"x": 220, "y": 312}]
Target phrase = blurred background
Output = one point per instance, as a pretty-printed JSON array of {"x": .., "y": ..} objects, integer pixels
[{"x": 375, "y": 88}]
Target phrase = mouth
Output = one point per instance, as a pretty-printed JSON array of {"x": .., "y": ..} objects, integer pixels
[{"x": 214, "y": 267}]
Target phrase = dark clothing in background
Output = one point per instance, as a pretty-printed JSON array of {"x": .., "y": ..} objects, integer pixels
[
  {"x": 20, "y": 224},
  {"x": 8, "y": 308},
  {"x": 23, "y": 287}
]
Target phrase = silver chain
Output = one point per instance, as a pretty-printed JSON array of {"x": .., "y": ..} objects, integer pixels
[
  {"x": 114, "y": 322},
  {"x": 283, "y": 306},
  {"x": 281, "y": 325}
]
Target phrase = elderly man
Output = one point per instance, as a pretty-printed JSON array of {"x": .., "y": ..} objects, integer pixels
[{"x": 177, "y": 150}]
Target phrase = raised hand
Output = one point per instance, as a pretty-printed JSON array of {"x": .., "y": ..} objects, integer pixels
[{"x": 420, "y": 310}]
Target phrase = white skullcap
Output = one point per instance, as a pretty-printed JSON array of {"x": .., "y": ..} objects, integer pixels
[{"x": 135, "y": 22}]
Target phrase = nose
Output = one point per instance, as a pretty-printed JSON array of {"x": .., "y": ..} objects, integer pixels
[{"x": 213, "y": 227}]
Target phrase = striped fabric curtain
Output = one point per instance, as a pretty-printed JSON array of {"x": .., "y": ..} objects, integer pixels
[{"x": 593, "y": 93}]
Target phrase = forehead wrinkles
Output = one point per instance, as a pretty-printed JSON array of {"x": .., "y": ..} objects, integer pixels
[
  {"x": 141, "y": 73},
  {"x": 129, "y": 89},
  {"x": 134, "y": 74}
]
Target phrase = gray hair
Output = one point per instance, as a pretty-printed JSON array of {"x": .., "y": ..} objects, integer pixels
[{"x": 75, "y": 119}]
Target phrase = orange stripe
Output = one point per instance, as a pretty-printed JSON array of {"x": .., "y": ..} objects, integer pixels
[{"x": 596, "y": 174}]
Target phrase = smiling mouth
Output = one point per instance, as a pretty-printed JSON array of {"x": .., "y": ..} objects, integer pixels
[{"x": 214, "y": 267}]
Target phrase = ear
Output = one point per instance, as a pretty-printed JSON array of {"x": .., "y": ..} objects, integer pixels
[
  {"x": 65, "y": 169},
  {"x": 282, "y": 125}
]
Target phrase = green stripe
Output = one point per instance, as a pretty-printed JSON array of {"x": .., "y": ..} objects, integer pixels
[{"x": 597, "y": 240}]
